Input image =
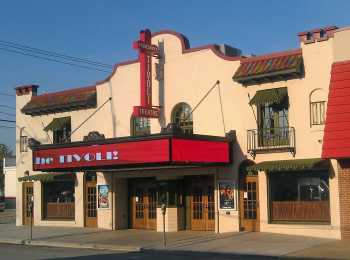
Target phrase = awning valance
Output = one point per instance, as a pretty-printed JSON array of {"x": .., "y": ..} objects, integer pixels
[
  {"x": 290, "y": 165},
  {"x": 270, "y": 96},
  {"x": 47, "y": 177},
  {"x": 57, "y": 123}
]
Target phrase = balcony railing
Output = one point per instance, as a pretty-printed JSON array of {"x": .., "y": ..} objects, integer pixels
[{"x": 266, "y": 140}]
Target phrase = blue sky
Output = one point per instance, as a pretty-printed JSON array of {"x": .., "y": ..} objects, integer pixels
[{"x": 104, "y": 31}]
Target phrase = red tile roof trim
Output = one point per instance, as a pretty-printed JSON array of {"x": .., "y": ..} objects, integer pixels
[
  {"x": 285, "y": 62},
  {"x": 336, "y": 139},
  {"x": 272, "y": 55},
  {"x": 66, "y": 100}
]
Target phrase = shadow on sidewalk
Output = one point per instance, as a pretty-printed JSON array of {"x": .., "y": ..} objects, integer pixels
[{"x": 170, "y": 255}]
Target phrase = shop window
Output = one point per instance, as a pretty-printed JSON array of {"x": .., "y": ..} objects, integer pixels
[
  {"x": 318, "y": 112},
  {"x": 299, "y": 196},
  {"x": 59, "y": 199},
  {"x": 169, "y": 193},
  {"x": 23, "y": 144},
  {"x": 140, "y": 126},
  {"x": 182, "y": 117},
  {"x": 273, "y": 129}
]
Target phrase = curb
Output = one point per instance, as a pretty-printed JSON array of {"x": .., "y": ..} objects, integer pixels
[
  {"x": 12, "y": 241},
  {"x": 70, "y": 245}
]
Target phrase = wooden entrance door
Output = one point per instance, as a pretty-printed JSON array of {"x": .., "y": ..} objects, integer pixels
[
  {"x": 144, "y": 206},
  {"x": 27, "y": 196},
  {"x": 202, "y": 204},
  {"x": 90, "y": 204},
  {"x": 249, "y": 204}
]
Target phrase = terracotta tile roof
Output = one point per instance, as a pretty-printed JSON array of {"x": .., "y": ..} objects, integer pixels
[
  {"x": 67, "y": 100},
  {"x": 336, "y": 139},
  {"x": 269, "y": 66}
]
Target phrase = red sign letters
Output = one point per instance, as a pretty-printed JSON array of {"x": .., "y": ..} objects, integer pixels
[{"x": 146, "y": 51}]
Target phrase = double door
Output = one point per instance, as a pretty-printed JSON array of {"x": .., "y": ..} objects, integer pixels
[
  {"x": 202, "y": 203},
  {"x": 143, "y": 205}
]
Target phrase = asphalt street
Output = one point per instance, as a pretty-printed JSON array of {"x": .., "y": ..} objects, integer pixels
[{"x": 34, "y": 252}]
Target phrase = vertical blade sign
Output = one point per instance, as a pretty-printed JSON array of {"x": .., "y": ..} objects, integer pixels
[{"x": 146, "y": 51}]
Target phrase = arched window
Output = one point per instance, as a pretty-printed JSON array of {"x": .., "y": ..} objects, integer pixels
[
  {"x": 140, "y": 126},
  {"x": 182, "y": 116},
  {"x": 318, "y": 106}
]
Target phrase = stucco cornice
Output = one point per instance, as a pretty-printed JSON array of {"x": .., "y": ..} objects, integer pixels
[{"x": 185, "y": 44}]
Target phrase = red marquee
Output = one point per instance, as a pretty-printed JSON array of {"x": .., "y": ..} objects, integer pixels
[{"x": 163, "y": 150}]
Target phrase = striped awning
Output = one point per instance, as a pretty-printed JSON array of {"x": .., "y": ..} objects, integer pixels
[
  {"x": 269, "y": 96},
  {"x": 290, "y": 165},
  {"x": 270, "y": 67},
  {"x": 57, "y": 123},
  {"x": 47, "y": 177}
]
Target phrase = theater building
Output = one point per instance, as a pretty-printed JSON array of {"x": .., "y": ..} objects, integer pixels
[{"x": 225, "y": 141}]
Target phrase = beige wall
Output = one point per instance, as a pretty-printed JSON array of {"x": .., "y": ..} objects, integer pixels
[
  {"x": 341, "y": 44},
  {"x": 10, "y": 181},
  {"x": 187, "y": 77},
  {"x": 171, "y": 220}
]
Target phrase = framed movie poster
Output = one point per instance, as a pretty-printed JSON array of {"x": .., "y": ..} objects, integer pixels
[
  {"x": 103, "y": 200},
  {"x": 226, "y": 195}
]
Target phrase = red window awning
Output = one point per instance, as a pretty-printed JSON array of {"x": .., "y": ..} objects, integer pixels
[
  {"x": 336, "y": 140},
  {"x": 131, "y": 151}
]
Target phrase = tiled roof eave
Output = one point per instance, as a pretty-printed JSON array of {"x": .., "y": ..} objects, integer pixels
[
  {"x": 294, "y": 72},
  {"x": 58, "y": 108}
]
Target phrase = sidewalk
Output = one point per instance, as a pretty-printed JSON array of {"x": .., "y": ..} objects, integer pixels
[{"x": 264, "y": 244}]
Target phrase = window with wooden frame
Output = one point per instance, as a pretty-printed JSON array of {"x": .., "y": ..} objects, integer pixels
[
  {"x": 182, "y": 116},
  {"x": 301, "y": 196},
  {"x": 317, "y": 113},
  {"x": 273, "y": 128},
  {"x": 140, "y": 126},
  {"x": 59, "y": 199},
  {"x": 61, "y": 129},
  {"x": 23, "y": 143}
]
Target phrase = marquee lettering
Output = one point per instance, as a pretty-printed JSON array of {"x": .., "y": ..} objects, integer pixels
[{"x": 75, "y": 158}]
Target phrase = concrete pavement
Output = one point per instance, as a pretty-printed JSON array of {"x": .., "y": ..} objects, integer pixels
[{"x": 263, "y": 244}]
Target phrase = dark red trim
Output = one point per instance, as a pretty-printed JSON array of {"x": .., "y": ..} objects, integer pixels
[
  {"x": 68, "y": 91},
  {"x": 185, "y": 49},
  {"x": 272, "y": 55}
]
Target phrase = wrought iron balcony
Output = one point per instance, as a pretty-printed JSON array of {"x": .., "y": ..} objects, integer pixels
[{"x": 266, "y": 140}]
